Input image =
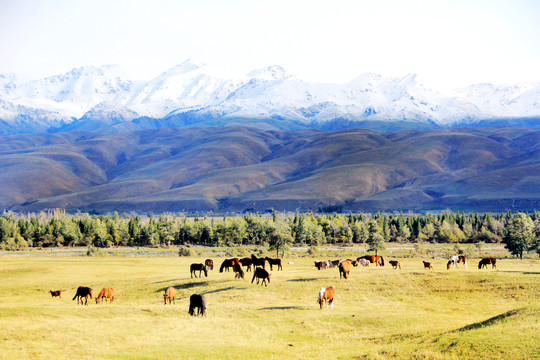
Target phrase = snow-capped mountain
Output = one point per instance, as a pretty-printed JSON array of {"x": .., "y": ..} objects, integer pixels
[{"x": 90, "y": 98}]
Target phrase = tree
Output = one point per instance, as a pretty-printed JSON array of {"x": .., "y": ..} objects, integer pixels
[
  {"x": 280, "y": 237},
  {"x": 519, "y": 235},
  {"x": 375, "y": 239}
]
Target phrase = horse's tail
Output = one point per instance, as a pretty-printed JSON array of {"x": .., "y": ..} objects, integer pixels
[
  {"x": 222, "y": 266},
  {"x": 382, "y": 261},
  {"x": 75, "y": 297}
]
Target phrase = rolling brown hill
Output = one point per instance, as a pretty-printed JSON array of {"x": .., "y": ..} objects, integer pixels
[{"x": 238, "y": 168}]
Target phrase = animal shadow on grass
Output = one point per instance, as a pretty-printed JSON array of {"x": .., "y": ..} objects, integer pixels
[
  {"x": 491, "y": 321},
  {"x": 284, "y": 308},
  {"x": 303, "y": 280}
]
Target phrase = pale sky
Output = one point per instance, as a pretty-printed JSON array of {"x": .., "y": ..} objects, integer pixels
[{"x": 447, "y": 43}]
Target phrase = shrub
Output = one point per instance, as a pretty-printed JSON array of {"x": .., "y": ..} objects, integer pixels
[{"x": 185, "y": 251}]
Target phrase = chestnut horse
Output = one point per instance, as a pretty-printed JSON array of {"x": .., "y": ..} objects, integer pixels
[
  {"x": 209, "y": 263},
  {"x": 327, "y": 295},
  {"x": 486, "y": 261},
  {"x": 227, "y": 263},
  {"x": 344, "y": 269},
  {"x": 107, "y": 293},
  {"x": 463, "y": 259},
  {"x": 170, "y": 294},
  {"x": 377, "y": 259}
]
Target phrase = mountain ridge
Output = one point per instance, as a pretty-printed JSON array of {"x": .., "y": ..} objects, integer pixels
[{"x": 194, "y": 94}]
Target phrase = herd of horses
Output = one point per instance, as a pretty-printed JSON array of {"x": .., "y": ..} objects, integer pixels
[{"x": 197, "y": 305}]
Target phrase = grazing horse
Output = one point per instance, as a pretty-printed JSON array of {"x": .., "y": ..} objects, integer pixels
[
  {"x": 327, "y": 295},
  {"x": 486, "y": 261},
  {"x": 107, "y": 293},
  {"x": 227, "y": 263},
  {"x": 363, "y": 262},
  {"x": 261, "y": 273},
  {"x": 452, "y": 262},
  {"x": 83, "y": 292},
  {"x": 170, "y": 294},
  {"x": 246, "y": 262},
  {"x": 209, "y": 263},
  {"x": 427, "y": 265},
  {"x": 353, "y": 262},
  {"x": 274, "y": 262},
  {"x": 56, "y": 293},
  {"x": 197, "y": 301},
  {"x": 377, "y": 259},
  {"x": 257, "y": 261},
  {"x": 238, "y": 272},
  {"x": 395, "y": 264},
  {"x": 320, "y": 264},
  {"x": 463, "y": 259},
  {"x": 200, "y": 268},
  {"x": 344, "y": 269}
]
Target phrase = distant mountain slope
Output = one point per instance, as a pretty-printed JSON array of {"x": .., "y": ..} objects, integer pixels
[
  {"x": 236, "y": 168},
  {"x": 193, "y": 94}
]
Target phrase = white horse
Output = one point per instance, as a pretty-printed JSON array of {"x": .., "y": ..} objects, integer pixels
[
  {"x": 453, "y": 262},
  {"x": 364, "y": 262}
]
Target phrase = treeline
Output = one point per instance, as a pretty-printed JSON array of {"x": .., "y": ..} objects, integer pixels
[{"x": 278, "y": 230}]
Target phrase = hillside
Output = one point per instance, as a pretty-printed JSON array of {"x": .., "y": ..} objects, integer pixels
[{"x": 237, "y": 168}]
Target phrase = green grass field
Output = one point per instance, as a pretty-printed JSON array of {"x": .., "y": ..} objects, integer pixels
[{"x": 379, "y": 313}]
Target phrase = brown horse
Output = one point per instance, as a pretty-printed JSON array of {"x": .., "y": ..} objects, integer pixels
[
  {"x": 274, "y": 262},
  {"x": 344, "y": 269},
  {"x": 107, "y": 293},
  {"x": 257, "y": 261},
  {"x": 56, "y": 293},
  {"x": 246, "y": 262},
  {"x": 227, "y": 263},
  {"x": 83, "y": 292},
  {"x": 200, "y": 268},
  {"x": 486, "y": 261},
  {"x": 261, "y": 273},
  {"x": 377, "y": 259},
  {"x": 327, "y": 295},
  {"x": 427, "y": 265},
  {"x": 209, "y": 263},
  {"x": 463, "y": 259},
  {"x": 197, "y": 301},
  {"x": 238, "y": 272},
  {"x": 170, "y": 294},
  {"x": 395, "y": 264}
]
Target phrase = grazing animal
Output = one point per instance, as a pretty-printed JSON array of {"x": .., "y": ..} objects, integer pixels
[
  {"x": 261, "y": 273},
  {"x": 463, "y": 259},
  {"x": 320, "y": 264},
  {"x": 257, "y": 261},
  {"x": 209, "y": 263},
  {"x": 353, "y": 262},
  {"x": 274, "y": 262},
  {"x": 452, "y": 262},
  {"x": 83, "y": 292},
  {"x": 238, "y": 272},
  {"x": 56, "y": 293},
  {"x": 395, "y": 264},
  {"x": 107, "y": 293},
  {"x": 427, "y": 265},
  {"x": 170, "y": 294},
  {"x": 197, "y": 301},
  {"x": 363, "y": 262},
  {"x": 327, "y": 295},
  {"x": 486, "y": 261},
  {"x": 333, "y": 263},
  {"x": 377, "y": 259},
  {"x": 200, "y": 268},
  {"x": 227, "y": 263},
  {"x": 344, "y": 269},
  {"x": 246, "y": 262}
]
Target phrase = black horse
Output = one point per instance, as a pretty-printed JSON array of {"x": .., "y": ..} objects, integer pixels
[
  {"x": 274, "y": 262},
  {"x": 197, "y": 301},
  {"x": 199, "y": 268}
]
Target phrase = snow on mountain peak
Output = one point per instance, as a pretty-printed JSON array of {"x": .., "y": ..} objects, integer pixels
[{"x": 273, "y": 72}]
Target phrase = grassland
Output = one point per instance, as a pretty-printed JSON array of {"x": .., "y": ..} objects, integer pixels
[{"x": 380, "y": 313}]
